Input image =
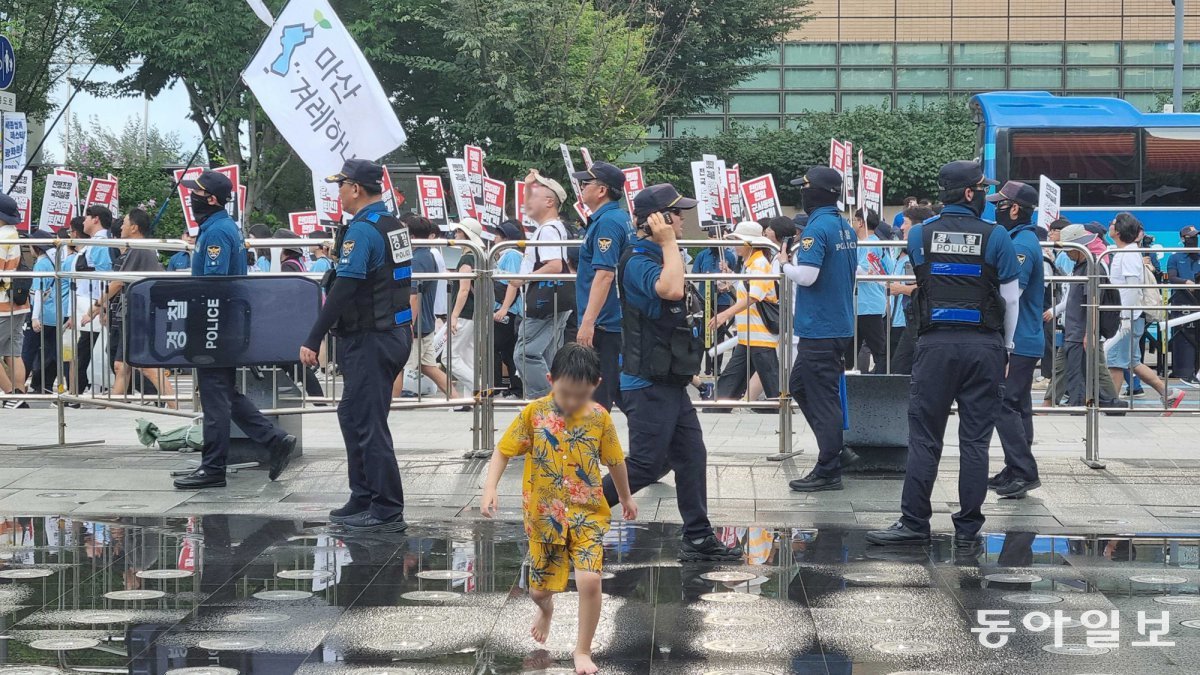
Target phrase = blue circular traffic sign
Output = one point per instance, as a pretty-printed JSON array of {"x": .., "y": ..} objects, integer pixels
[{"x": 8, "y": 63}]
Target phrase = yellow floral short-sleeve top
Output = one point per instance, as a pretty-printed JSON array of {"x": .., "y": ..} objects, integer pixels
[{"x": 562, "y": 490}]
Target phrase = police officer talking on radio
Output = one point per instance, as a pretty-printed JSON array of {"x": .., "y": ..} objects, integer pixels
[
  {"x": 367, "y": 310},
  {"x": 662, "y": 345},
  {"x": 221, "y": 252},
  {"x": 965, "y": 308}
]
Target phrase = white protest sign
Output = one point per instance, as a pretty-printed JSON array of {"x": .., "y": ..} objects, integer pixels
[
  {"x": 22, "y": 193},
  {"x": 1049, "y": 201},
  {"x": 708, "y": 190},
  {"x": 328, "y": 203},
  {"x": 14, "y": 139},
  {"x": 460, "y": 187},
  {"x": 319, "y": 90},
  {"x": 58, "y": 205},
  {"x": 733, "y": 182}
]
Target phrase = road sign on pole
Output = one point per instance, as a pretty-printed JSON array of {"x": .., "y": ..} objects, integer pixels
[{"x": 8, "y": 63}]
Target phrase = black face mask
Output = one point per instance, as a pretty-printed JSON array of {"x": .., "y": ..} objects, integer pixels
[
  {"x": 1190, "y": 242},
  {"x": 201, "y": 209},
  {"x": 812, "y": 199},
  {"x": 978, "y": 201}
]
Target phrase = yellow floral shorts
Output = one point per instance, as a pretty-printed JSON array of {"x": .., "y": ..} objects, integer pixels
[{"x": 550, "y": 563}]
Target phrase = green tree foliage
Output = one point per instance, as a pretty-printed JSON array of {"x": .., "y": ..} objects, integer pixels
[
  {"x": 45, "y": 36},
  {"x": 909, "y": 144},
  {"x": 141, "y": 165}
]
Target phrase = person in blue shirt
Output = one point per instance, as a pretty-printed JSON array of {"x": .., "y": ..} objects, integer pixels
[
  {"x": 1183, "y": 267},
  {"x": 182, "y": 260},
  {"x": 599, "y": 311},
  {"x": 898, "y": 219},
  {"x": 504, "y": 337},
  {"x": 220, "y": 252},
  {"x": 823, "y": 322},
  {"x": 47, "y": 295},
  {"x": 904, "y": 336},
  {"x": 718, "y": 295},
  {"x": 965, "y": 310},
  {"x": 1015, "y": 204},
  {"x": 320, "y": 259},
  {"x": 871, "y": 307},
  {"x": 663, "y": 331},
  {"x": 367, "y": 307}
]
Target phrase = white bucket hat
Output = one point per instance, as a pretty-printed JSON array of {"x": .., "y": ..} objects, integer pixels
[
  {"x": 751, "y": 233},
  {"x": 473, "y": 230}
]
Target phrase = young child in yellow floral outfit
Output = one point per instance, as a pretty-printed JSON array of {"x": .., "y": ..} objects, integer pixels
[{"x": 565, "y": 437}]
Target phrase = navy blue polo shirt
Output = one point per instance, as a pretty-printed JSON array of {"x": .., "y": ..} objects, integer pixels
[
  {"x": 1029, "y": 339},
  {"x": 825, "y": 309},
  {"x": 220, "y": 249},
  {"x": 637, "y": 288},
  {"x": 708, "y": 262},
  {"x": 363, "y": 248},
  {"x": 1183, "y": 266},
  {"x": 607, "y": 233}
]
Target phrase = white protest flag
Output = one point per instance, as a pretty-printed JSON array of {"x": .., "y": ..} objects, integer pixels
[
  {"x": 260, "y": 10},
  {"x": 317, "y": 87}
]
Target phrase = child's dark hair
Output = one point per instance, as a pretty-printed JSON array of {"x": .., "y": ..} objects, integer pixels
[{"x": 576, "y": 362}]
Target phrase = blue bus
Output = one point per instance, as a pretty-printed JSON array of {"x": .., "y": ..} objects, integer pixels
[{"x": 1106, "y": 155}]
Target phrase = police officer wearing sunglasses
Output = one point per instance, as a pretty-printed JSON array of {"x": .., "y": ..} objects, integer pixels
[
  {"x": 662, "y": 345},
  {"x": 966, "y": 308}
]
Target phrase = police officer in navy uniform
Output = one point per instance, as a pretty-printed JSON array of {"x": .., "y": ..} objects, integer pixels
[
  {"x": 367, "y": 309},
  {"x": 220, "y": 251},
  {"x": 826, "y": 261},
  {"x": 1015, "y": 204},
  {"x": 662, "y": 346},
  {"x": 965, "y": 311}
]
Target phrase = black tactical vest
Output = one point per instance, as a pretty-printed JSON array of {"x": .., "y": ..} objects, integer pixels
[
  {"x": 667, "y": 350},
  {"x": 956, "y": 287},
  {"x": 382, "y": 299}
]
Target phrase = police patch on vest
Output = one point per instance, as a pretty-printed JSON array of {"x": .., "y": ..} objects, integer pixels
[
  {"x": 957, "y": 243},
  {"x": 807, "y": 243},
  {"x": 1021, "y": 258},
  {"x": 214, "y": 252},
  {"x": 400, "y": 245},
  {"x": 604, "y": 243},
  {"x": 347, "y": 247}
]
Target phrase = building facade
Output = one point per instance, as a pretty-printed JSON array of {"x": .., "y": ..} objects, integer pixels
[{"x": 900, "y": 52}]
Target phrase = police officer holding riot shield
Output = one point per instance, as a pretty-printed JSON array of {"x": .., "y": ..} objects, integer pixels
[
  {"x": 1015, "y": 203},
  {"x": 965, "y": 308},
  {"x": 662, "y": 345},
  {"x": 367, "y": 309},
  {"x": 220, "y": 252},
  {"x": 824, "y": 270}
]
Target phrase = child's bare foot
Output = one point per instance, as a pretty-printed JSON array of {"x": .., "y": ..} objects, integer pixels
[
  {"x": 584, "y": 664},
  {"x": 541, "y": 624}
]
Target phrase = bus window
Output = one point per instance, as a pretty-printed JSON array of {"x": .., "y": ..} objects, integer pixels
[
  {"x": 1073, "y": 155},
  {"x": 1171, "y": 168}
]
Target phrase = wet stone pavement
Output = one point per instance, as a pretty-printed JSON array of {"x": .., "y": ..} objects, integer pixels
[{"x": 224, "y": 594}]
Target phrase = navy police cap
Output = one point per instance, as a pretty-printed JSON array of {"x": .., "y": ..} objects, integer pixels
[
  {"x": 214, "y": 183},
  {"x": 361, "y": 171},
  {"x": 821, "y": 178},
  {"x": 660, "y": 198},
  {"x": 962, "y": 174}
]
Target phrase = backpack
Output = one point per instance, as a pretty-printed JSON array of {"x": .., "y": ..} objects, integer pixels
[
  {"x": 20, "y": 287},
  {"x": 1151, "y": 297},
  {"x": 1110, "y": 321}
]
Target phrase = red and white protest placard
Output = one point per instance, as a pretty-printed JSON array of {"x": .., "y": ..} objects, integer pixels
[
  {"x": 235, "y": 207},
  {"x": 22, "y": 193},
  {"x": 582, "y": 210},
  {"x": 102, "y": 192},
  {"x": 635, "y": 182},
  {"x": 431, "y": 199},
  {"x": 116, "y": 199},
  {"x": 58, "y": 206},
  {"x": 473, "y": 156},
  {"x": 519, "y": 201},
  {"x": 494, "y": 198},
  {"x": 460, "y": 187},
  {"x": 733, "y": 183},
  {"x": 587, "y": 157},
  {"x": 328, "y": 203},
  {"x": 389, "y": 192},
  {"x": 760, "y": 198},
  {"x": 74, "y": 190},
  {"x": 189, "y": 219},
  {"x": 304, "y": 223},
  {"x": 848, "y": 178},
  {"x": 839, "y": 156},
  {"x": 870, "y": 186}
]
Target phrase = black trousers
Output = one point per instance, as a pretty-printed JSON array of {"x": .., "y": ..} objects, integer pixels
[
  {"x": 1014, "y": 425},
  {"x": 370, "y": 362},
  {"x": 872, "y": 333},
  {"x": 83, "y": 360},
  {"x": 504, "y": 341},
  {"x": 665, "y": 435},
  {"x": 1185, "y": 341},
  {"x": 712, "y": 363},
  {"x": 743, "y": 363},
  {"x": 904, "y": 344},
  {"x": 608, "y": 345},
  {"x": 222, "y": 403},
  {"x": 815, "y": 385},
  {"x": 1048, "y": 329},
  {"x": 44, "y": 369},
  {"x": 952, "y": 366}
]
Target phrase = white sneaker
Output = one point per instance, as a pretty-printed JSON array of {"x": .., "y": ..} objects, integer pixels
[{"x": 1174, "y": 398}]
